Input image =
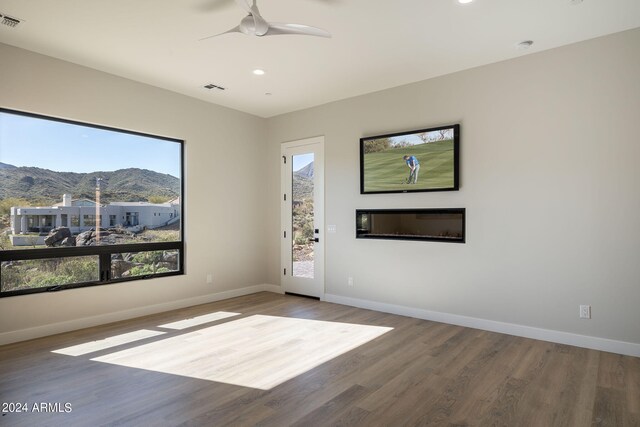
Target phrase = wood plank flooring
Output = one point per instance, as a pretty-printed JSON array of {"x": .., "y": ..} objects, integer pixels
[{"x": 418, "y": 373}]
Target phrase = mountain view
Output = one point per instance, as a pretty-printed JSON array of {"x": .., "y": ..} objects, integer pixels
[
  {"x": 303, "y": 183},
  {"x": 45, "y": 187},
  {"x": 306, "y": 171}
]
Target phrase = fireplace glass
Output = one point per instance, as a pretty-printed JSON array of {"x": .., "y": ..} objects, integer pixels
[{"x": 445, "y": 225}]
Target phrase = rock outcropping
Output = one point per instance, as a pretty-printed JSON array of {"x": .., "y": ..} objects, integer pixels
[{"x": 60, "y": 236}]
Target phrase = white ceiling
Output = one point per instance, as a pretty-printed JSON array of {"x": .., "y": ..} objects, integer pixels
[{"x": 376, "y": 44}]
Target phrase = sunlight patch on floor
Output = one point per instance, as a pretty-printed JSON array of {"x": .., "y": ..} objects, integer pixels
[
  {"x": 116, "y": 340},
  {"x": 257, "y": 351},
  {"x": 199, "y": 320}
]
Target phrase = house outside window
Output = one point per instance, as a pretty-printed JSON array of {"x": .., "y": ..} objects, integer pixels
[
  {"x": 89, "y": 220},
  {"x": 131, "y": 219}
]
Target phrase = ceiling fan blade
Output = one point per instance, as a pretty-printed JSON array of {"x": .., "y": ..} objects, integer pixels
[
  {"x": 235, "y": 29},
  {"x": 276, "y": 29}
]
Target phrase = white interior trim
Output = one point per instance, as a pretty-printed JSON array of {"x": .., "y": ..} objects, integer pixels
[
  {"x": 595, "y": 343},
  {"x": 87, "y": 322},
  {"x": 314, "y": 286}
]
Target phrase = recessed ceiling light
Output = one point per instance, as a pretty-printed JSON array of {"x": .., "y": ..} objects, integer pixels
[
  {"x": 464, "y": 1},
  {"x": 575, "y": 1},
  {"x": 524, "y": 44},
  {"x": 258, "y": 72},
  {"x": 268, "y": 93}
]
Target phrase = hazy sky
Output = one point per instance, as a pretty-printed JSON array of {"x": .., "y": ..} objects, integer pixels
[
  {"x": 301, "y": 160},
  {"x": 413, "y": 138},
  {"x": 63, "y": 147}
]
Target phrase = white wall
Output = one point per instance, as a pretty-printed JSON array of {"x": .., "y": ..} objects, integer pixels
[
  {"x": 222, "y": 234},
  {"x": 550, "y": 145}
]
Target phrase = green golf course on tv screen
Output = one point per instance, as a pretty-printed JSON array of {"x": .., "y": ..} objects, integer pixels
[{"x": 418, "y": 160}]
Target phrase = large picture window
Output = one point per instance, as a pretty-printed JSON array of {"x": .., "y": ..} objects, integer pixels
[{"x": 84, "y": 205}]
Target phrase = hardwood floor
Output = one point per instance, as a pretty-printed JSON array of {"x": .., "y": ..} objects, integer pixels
[{"x": 418, "y": 373}]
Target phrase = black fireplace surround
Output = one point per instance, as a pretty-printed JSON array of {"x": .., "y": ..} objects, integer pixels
[{"x": 435, "y": 225}]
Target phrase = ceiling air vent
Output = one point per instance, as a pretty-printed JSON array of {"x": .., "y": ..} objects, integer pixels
[
  {"x": 212, "y": 86},
  {"x": 9, "y": 21}
]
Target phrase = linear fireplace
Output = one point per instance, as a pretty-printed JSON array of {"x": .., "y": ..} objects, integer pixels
[{"x": 442, "y": 225}]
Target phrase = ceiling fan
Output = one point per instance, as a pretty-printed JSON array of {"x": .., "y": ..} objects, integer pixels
[{"x": 255, "y": 25}]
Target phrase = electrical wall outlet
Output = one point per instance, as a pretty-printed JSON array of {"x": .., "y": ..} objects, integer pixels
[
  {"x": 585, "y": 312},
  {"x": 209, "y": 278},
  {"x": 350, "y": 281}
]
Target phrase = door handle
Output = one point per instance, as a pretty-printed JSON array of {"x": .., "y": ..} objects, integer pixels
[{"x": 314, "y": 239}]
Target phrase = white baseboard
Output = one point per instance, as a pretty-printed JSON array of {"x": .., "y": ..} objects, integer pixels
[
  {"x": 273, "y": 288},
  {"x": 603, "y": 344},
  {"x": 102, "y": 319}
]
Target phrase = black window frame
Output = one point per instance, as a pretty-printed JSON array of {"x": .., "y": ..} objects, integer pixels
[{"x": 103, "y": 252}]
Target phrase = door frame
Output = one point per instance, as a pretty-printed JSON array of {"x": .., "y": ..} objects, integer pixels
[{"x": 285, "y": 211}]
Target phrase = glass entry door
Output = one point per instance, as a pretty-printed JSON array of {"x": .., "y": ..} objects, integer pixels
[{"x": 302, "y": 217}]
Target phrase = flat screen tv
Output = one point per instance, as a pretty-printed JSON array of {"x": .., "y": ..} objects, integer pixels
[{"x": 412, "y": 161}]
